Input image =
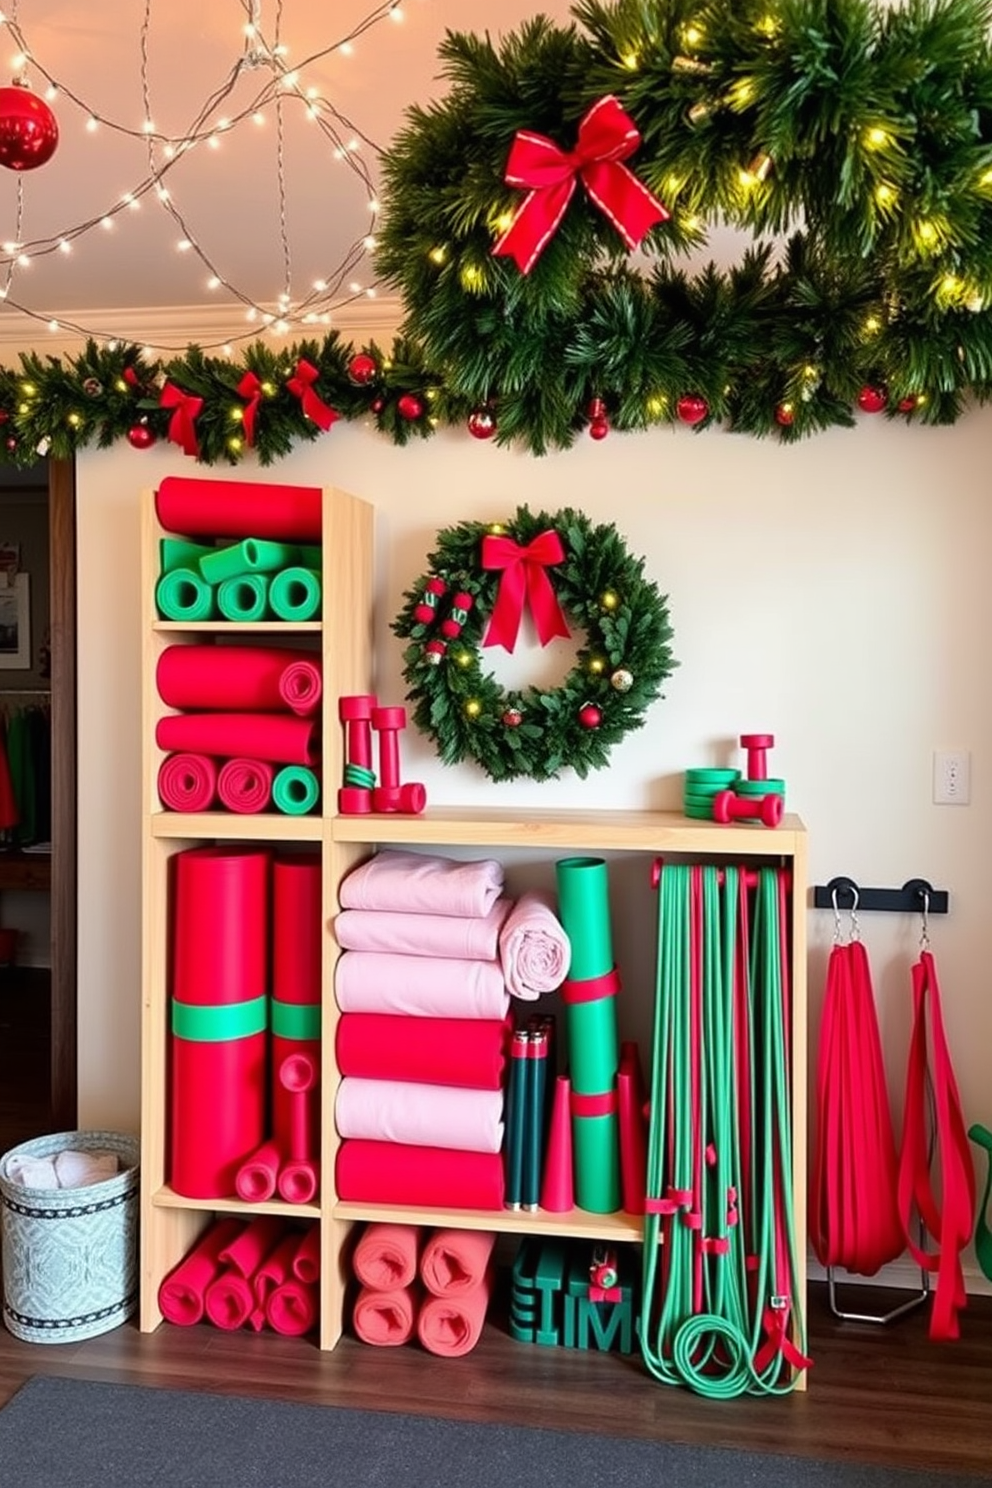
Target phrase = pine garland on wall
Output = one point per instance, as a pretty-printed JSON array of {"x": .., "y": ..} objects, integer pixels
[{"x": 852, "y": 140}]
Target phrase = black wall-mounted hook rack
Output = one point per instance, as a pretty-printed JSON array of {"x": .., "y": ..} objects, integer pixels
[{"x": 914, "y": 896}]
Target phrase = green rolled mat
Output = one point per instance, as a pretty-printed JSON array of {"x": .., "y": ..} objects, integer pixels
[
  {"x": 295, "y": 594},
  {"x": 178, "y": 552},
  {"x": 760, "y": 788},
  {"x": 251, "y": 555},
  {"x": 181, "y": 594},
  {"x": 295, "y": 790},
  {"x": 311, "y": 557},
  {"x": 712, "y": 778},
  {"x": 244, "y": 598}
]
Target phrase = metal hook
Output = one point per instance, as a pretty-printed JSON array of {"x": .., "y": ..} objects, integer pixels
[
  {"x": 837, "y": 930},
  {"x": 855, "y": 926},
  {"x": 925, "y": 932}
]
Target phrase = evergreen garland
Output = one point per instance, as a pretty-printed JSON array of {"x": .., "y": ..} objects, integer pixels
[
  {"x": 532, "y": 731},
  {"x": 851, "y": 140}
]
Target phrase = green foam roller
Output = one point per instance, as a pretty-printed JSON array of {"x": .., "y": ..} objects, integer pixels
[
  {"x": 295, "y": 594},
  {"x": 311, "y": 557},
  {"x": 181, "y": 594},
  {"x": 178, "y": 552},
  {"x": 584, "y": 910},
  {"x": 251, "y": 555},
  {"x": 295, "y": 790},
  {"x": 244, "y": 598},
  {"x": 596, "y": 1149}
]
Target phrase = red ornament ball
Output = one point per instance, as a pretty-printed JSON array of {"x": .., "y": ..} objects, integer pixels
[
  {"x": 590, "y": 716},
  {"x": 481, "y": 424},
  {"x": 362, "y": 369},
  {"x": 692, "y": 409},
  {"x": 785, "y": 415},
  {"x": 140, "y": 437},
  {"x": 4, "y": 415},
  {"x": 907, "y": 405},
  {"x": 29, "y": 131},
  {"x": 378, "y": 404},
  {"x": 872, "y": 399},
  {"x": 599, "y": 428},
  {"x": 11, "y": 442},
  {"x": 513, "y": 718},
  {"x": 410, "y": 407}
]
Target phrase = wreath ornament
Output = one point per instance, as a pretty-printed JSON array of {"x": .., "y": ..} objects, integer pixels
[{"x": 563, "y": 570}]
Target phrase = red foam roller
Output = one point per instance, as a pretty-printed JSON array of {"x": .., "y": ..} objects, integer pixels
[
  {"x": 292, "y": 1308},
  {"x": 216, "y": 508},
  {"x": 371, "y": 1172},
  {"x": 257, "y": 1240},
  {"x": 306, "y": 1261},
  {"x": 297, "y": 928},
  {"x": 299, "y": 1181},
  {"x": 220, "y": 930},
  {"x": 244, "y": 679},
  {"x": 295, "y": 1111},
  {"x": 182, "y": 1293},
  {"x": 277, "y": 737},
  {"x": 245, "y": 785},
  {"x": 301, "y": 686},
  {"x": 217, "y": 1113},
  {"x": 229, "y": 1301},
  {"x": 258, "y": 1175},
  {"x": 469, "y": 1052},
  {"x": 187, "y": 782}
]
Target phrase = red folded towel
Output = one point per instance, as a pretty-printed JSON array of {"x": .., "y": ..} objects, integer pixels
[
  {"x": 386, "y": 1256},
  {"x": 432, "y": 1051},
  {"x": 386, "y": 1319},
  {"x": 452, "y": 1326},
  {"x": 371, "y": 1172},
  {"x": 454, "y": 1262}
]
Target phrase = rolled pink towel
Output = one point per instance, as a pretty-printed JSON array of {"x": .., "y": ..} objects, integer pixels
[
  {"x": 386, "y": 1256},
  {"x": 533, "y": 948},
  {"x": 435, "y": 935},
  {"x": 452, "y": 1326},
  {"x": 385, "y": 1318},
  {"x": 424, "y": 883},
  {"x": 454, "y": 1262}
]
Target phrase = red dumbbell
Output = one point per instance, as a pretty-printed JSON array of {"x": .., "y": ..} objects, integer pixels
[
  {"x": 391, "y": 795},
  {"x": 757, "y": 758},
  {"x": 355, "y": 712},
  {"x": 769, "y": 809}
]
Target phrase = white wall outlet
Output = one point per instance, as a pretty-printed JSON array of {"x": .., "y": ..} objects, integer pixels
[{"x": 951, "y": 777}]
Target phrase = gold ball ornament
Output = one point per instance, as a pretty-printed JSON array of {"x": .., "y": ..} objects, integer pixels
[
  {"x": 621, "y": 680},
  {"x": 608, "y": 600},
  {"x": 496, "y": 529},
  {"x": 597, "y": 666}
]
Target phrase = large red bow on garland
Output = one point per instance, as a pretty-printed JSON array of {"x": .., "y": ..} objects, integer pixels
[
  {"x": 182, "y": 425},
  {"x": 607, "y": 136},
  {"x": 249, "y": 387},
  {"x": 301, "y": 386},
  {"x": 524, "y": 578}
]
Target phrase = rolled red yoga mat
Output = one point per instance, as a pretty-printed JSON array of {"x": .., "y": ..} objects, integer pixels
[
  {"x": 297, "y": 928},
  {"x": 437, "y": 1177},
  {"x": 182, "y": 1293},
  {"x": 275, "y": 737},
  {"x": 293, "y": 1307},
  {"x": 257, "y": 1177},
  {"x": 242, "y": 679},
  {"x": 452, "y": 1326},
  {"x": 187, "y": 782},
  {"x": 216, "y": 508},
  {"x": 217, "y": 1109},
  {"x": 245, "y": 785},
  {"x": 306, "y": 1261},
  {"x": 220, "y": 927},
  {"x": 257, "y": 1240},
  {"x": 469, "y": 1052},
  {"x": 229, "y": 1300}
]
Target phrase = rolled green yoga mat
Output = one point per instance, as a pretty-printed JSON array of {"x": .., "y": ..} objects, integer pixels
[
  {"x": 295, "y": 594},
  {"x": 252, "y": 555},
  {"x": 244, "y": 598},
  {"x": 295, "y": 790},
  {"x": 181, "y": 594},
  {"x": 593, "y": 1046},
  {"x": 177, "y": 552}
]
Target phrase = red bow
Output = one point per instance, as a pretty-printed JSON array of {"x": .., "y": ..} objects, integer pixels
[
  {"x": 607, "y": 135},
  {"x": 523, "y": 579},
  {"x": 182, "y": 425},
  {"x": 250, "y": 387},
  {"x": 301, "y": 386}
]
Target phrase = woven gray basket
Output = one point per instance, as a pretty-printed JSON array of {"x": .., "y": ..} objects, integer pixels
[{"x": 70, "y": 1256}]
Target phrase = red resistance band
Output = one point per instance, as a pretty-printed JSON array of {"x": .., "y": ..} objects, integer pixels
[
  {"x": 951, "y": 1228},
  {"x": 592, "y": 989}
]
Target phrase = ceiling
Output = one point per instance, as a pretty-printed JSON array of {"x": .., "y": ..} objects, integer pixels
[{"x": 268, "y": 207}]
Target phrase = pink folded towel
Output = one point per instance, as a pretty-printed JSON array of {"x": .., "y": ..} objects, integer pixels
[
  {"x": 386, "y": 1256},
  {"x": 422, "y": 934},
  {"x": 420, "y": 1115},
  {"x": 385, "y": 1318},
  {"x": 422, "y": 883},
  {"x": 454, "y": 1262},
  {"x": 452, "y": 1326},
  {"x": 533, "y": 948},
  {"x": 419, "y": 986}
]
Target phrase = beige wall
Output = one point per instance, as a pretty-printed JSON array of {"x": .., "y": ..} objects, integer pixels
[{"x": 836, "y": 594}]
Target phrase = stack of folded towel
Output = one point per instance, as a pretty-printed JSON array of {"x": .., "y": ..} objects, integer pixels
[{"x": 439, "y": 1290}]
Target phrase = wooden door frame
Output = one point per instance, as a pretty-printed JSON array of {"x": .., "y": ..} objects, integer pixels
[{"x": 62, "y": 598}]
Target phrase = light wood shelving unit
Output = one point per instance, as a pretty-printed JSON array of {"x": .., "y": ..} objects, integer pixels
[{"x": 170, "y": 1224}]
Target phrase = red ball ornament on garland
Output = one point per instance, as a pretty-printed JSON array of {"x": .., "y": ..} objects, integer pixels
[
  {"x": 513, "y": 718},
  {"x": 378, "y": 404},
  {"x": 907, "y": 405},
  {"x": 410, "y": 407},
  {"x": 29, "y": 131},
  {"x": 692, "y": 409},
  {"x": 11, "y": 442},
  {"x": 481, "y": 424},
  {"x": 872, "y": 399},
  {"x": 785, "y": 415},
  {"x": 590, "y": 716},
  {"x": 599, "y": 424},
  {"x": 363, "y": 369},
  {"x": 140, "y": 437}
]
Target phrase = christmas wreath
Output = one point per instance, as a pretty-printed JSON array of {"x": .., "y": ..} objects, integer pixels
[{"x": 561, "y": 568}]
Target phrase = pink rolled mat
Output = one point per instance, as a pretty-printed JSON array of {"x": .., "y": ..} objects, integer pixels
[
  {"x": 217, "y": 508},
  {"x": 421, "y": 1115},
  {"x": 306, "y": 1261},
  {"x": 455, "y": 1262},
  {"x": 256, "y": 1178},
  {"x": 220, "y": 928},
  {"x": 433, "y": 1177},
  {"x": 182, "y": 1292},
  {"x": 276, "y": 1268},
  {"x": 533, "y": 948},
  {"x": 452, "y": 1326},
  {"x": 292, "y": 1308},
  {"x": 419, "y": 986},
  {"x": 386, "y": 1319},
  {"x": 259, "y": 1238},
  {"x": 386, "y": 1256},
  {"x": 229, "y": 1300},
  {"x": 450, "y": 936},
  {"x": 187, "y": 782},
  {"x": 297, "y": 928},
  {"x": 433, "y": 1051},
  {"x": 299, "y": 1180},
  {"x": 245, "y": 785},
  {"x": 242, "y": 679},
  {"x": 261, "y": 736},
  {"x": 423, "y": 883}
]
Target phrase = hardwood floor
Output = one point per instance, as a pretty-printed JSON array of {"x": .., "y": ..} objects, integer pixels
[{"x": 881, "y": 1395}]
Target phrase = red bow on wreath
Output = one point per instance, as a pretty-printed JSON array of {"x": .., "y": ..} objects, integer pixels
[
  {"x": 524, "y": 578},
  {"x": 301, "y": 386},
  {"x": 249, "y": 387},
  {"x": 607, "y": 136},
  {"x": 182, "y": 425}
]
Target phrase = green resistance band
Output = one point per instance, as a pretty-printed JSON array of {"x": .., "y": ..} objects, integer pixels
[{"x": 983, "y": 1235}]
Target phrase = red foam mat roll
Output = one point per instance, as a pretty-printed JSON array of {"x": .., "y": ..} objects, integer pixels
[
  {"x": 220, "y": 930},
  {"x": 187, "y": 782},
  {"x": 217, "y": 1111},
  {"x": 241, "y": 679},
  {"x": 216, "y": 508},
  {"x": 297, "y": 928},
  {"x": 245, "y": 785},
  {"x": 275, "y": 737},
  {"x": 430, "y": 1051},
  {"x": 435, "y": 1177}
]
